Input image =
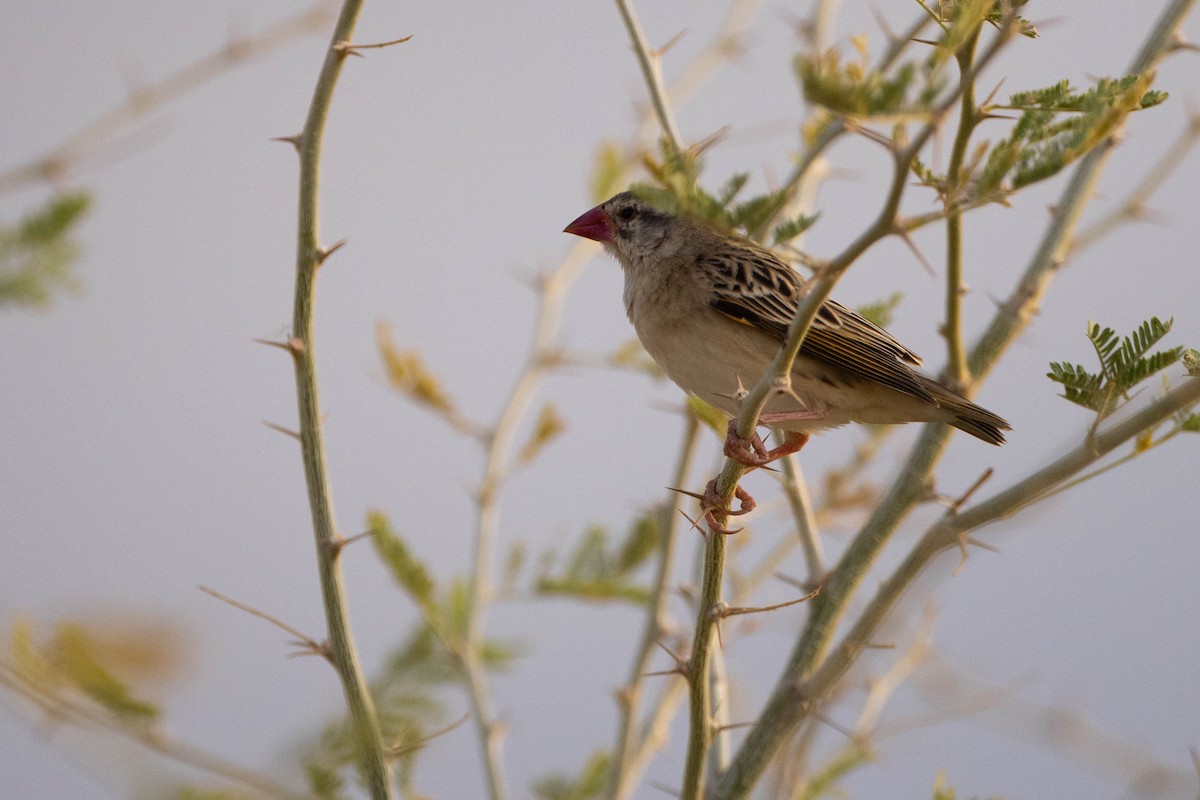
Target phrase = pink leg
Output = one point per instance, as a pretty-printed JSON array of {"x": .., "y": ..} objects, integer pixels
[
  {"x": 752, "y": 452},
  {"x": 712, "y": 506}
]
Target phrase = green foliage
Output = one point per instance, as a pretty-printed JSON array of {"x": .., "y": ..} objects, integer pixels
[
  {"x": 824, "y": 782},
  {"x": 941, "y": 791},
  {"x": 1191, "y": 362},
  {"x": 1057, "y": 126},
  {"x": 598, "y": 570},
  {"x": 36, "y": 255},
  {"x": 791, "y": 228},
  {"x": 589, "y": 784},
  {"x": 324, "y": 782},
  {"x": 882, "y": 311},
  {"x": 606, "y": 175},
  {"x": 709, "y": 415},
  {"x": 408, "y": 572},
  {"x": 546, "y": 428},
  {"x": 675, "y": 187},
  {"x": 76, "y": 663},
  {"x": 1124, "y": 363}
]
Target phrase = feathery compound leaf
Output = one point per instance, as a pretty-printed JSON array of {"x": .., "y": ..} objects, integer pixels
[
  {"x": 881, "y": 313},
  {"x": 1124, "y": 363},
  {"x": 1081, "y": 387},
  {"x": 408, "y": 375},
  {"x": 1058, "y": 125},
  {"x": 407, "y": 570},
  {"x": 594, "y": 571},
  {"x": 790, "y": 229},
  {"x": 589, "y": 784},
  {"x": 36, "y": 255}
]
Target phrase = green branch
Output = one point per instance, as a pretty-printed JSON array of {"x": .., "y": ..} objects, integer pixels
[
  {"x": 956, "y": 366},
  {"x": 786, "y": 708},
  {"x": 309, "y": 255}
]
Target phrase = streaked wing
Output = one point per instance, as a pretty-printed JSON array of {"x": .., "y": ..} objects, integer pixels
[{"x": 753, "y": 287}]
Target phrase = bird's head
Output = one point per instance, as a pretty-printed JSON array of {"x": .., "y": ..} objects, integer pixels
[{"x": 627, "y": 226}]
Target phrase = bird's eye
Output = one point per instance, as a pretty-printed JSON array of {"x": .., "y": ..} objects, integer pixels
[{"x": 627, "y": 213}]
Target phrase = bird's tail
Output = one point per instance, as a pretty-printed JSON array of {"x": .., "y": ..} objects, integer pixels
[{"x": 968, "y": 417}]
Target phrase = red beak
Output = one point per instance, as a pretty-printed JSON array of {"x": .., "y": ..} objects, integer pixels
[{"x": 594, "y": 224}]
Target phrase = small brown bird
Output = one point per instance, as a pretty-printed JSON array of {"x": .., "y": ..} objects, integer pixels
[{"x": 713, "y": 309}]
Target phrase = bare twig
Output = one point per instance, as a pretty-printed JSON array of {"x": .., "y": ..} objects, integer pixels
[
  {"x": 652, "y": 73},
  {"x": 1134, "y": 207},
  {"x": 147, "y": 99},
  {"x": 301, "y": 639},
  {"x": 87, "y": 716},
  {"x": 621, "y": 779}
]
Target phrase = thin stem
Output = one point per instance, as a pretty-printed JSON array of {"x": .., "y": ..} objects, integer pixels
[
  {"x": 956, "y": 361},
  {"x": 365, "y": 722},
  {"x": 652, "y": 73},
  {"x": 146, "y": 99},
  {"x": 778, "y": 379},
  {"x": 1134, "y": 206},
  {"x": 497, "y": 464},
  {"x": 64, "y": 709},
  {"x": 948, "y": 531},
  {"x": 796, "y": 491},
  {"x": 621, "y": 778},
  {"x": 700, "y": 727},
  {"x": 786, "y": 706}
]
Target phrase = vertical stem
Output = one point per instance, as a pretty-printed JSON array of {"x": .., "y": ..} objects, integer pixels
[
  {"x": 700, "y": 723},
  {"x": 956, "y": 365},
  {"x": 365, "y": 722},
  {"x": 620, "y": 776},
  {"x": 796, "y": 490},
  {"x": 652, "y": 74}
]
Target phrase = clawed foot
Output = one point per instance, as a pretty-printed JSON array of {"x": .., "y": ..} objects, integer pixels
[
  {"x": 712, "y": 504},
  {"x": 753, "y": 452}
]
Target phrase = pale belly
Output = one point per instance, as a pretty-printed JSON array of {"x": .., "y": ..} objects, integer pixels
[{"x": 722, "y": 359}]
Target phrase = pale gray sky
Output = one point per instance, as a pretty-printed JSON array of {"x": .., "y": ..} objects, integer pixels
[{"x": 135, "y": 465}]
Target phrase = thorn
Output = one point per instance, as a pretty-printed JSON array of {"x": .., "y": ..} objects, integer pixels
[
  {"x": 733, "y": 726},
  {"x": 674, "y": 40},
  {"x": 732, "y": 611},
  {"x": 346, "y": 49},
  {"x": 324, "y": 254},
  {"x": 349, "y": 49},
  {"x": 686, "y": 492},
  {"x": 871, "y": 135},
  {"x": 888, "y": 33},
  {"x": 965, "y": 539},
  {"x": 397, "y": 750},
  {"x": 695, "y": 524},
  {"x": 974, "y": 487},
  {"x": 681, "y": 664},
  {"x": 822, "y": 718},
  {"x": 294, "y": 141},
  {"x": 356, "y": 537},
  {"x": 280, "y": 429},
  {"x": 307, "y": 644},
  {"x": 916, "y": 251},
  {"x": 292, "y": 346}
]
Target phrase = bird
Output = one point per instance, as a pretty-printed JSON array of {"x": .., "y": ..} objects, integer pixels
[{"x": 713, "y": 309}]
